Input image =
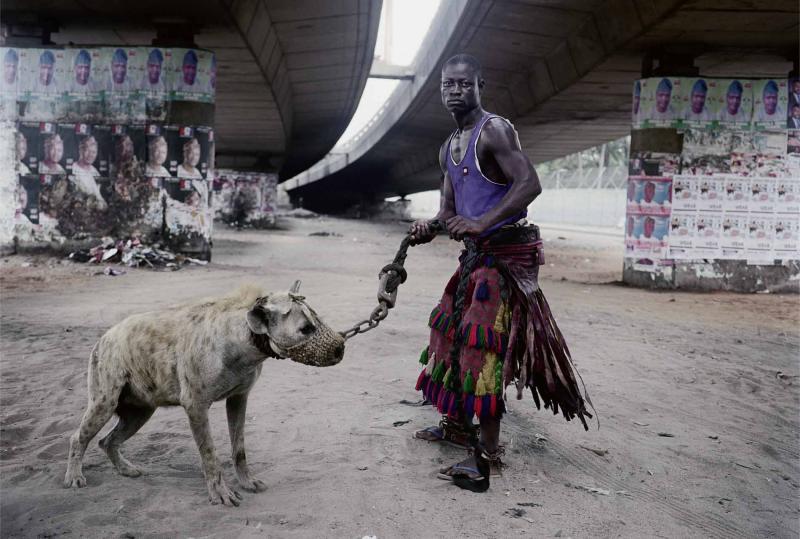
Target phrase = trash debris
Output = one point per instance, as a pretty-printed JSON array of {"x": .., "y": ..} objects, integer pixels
[
  {"x": 713, "y": 436},
  {"x": 113, "y": 272},
  {"x": 401, "y": 423},
  {"x": 593, "y": 490},
  {"x": 325, "y": 234},
  {"x": 529, "y": 504},
  {"x": 598, "y": 452},
  {"x": 666, "y": 434},
  {"x": 641, "y": 424},
  {"x": 132, "y": 253},
  {"x": 299, "y": 213},
  {"x": 539, "y": 438},
  {"x": 515, "y": 512},
  {"x": 363, "y": 468}
]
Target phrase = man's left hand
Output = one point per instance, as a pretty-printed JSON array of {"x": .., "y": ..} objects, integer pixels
[{"x": 459, "y": 226}]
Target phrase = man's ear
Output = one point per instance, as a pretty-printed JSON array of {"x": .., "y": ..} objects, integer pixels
[{"x": 481, "y": 82}]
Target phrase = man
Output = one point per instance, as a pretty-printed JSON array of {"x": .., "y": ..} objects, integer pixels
[
  {"x": 45, "y": 84},
  {"x": 697, "y": 111},
  {"x": 53, "y": 153},
  {"x": 770, "y": 111},
  {"x": 662, "y": 109},
  {"x": 84, "y": 173},
  {"x": 10, "y": 70},
  {"x": 119, "y": 72},
  {"x": 156, "y": 156},
  {"x": 188, "y": 168},
  {"x": 794, "y": 119},
  {"x": 732, "y": 112},
  {"x": 479, "y": 338},
  {"x": 153, "y": 82},
  {"x": 188, "y": 73},
  {"x": 22, "y": 151},
  {"x": 83, "y": 82},
  {"x": 794, "y": 96}
]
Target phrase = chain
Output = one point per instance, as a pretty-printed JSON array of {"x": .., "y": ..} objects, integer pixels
[{"x": 390, "y": 278}]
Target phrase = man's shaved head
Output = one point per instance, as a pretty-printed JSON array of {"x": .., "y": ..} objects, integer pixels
[{"x": 467, "y": 59}]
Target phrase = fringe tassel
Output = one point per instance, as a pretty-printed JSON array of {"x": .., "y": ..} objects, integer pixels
[
  {"x": 469, "y": 383},
  {"x": 423, "y": 357},
  {"x": 485, "y": 337},
  {"x": 482, "y": 293},
  {"x": 421, "y": 380}
]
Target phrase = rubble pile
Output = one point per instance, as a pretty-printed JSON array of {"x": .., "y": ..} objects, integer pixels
[{"x": 133, "y": 253}]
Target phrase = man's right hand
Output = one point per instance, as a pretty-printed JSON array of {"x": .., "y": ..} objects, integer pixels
[{"x": 421, "y": 232}]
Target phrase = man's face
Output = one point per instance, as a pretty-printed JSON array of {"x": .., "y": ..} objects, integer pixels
[
  {"x": 770, "y": 102},
  {"x": 649, "y": 227},
  {"x": 82, "y": 73},
  {"x": 45, "y": 74},
  {"x": 191, "y": 155},
  {"x": 88, "y": 152},
  {"x": 698, "y": 102},
  {"x": 189, "y": 73},
  {"x": 796, "y": 86},
  {"x": 796, "y": 112},
  {"x": 22, "y": 147},
  {"x": 118, "y": 71},
  {"x": 159, "y": 154},
  {"x": 10, "y": 72},
  {"x": 460, "y": 88},
  {"x": 734, "y": 101},
  {"x": 153, "y": 72},
  {"x": 649, "y": 191},
  {"x": 662, "y": 100},
  {"x": 55, "y": 150}
]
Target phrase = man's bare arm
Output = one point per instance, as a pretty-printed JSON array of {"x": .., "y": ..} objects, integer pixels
[
  {"x": 420, "y": 230},
  {"x": 500, "y": 140}
]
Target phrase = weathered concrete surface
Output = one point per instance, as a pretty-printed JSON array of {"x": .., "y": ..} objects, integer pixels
[
  {"x": 714, "y": 275},
  {"x": 719, "y": 372}
]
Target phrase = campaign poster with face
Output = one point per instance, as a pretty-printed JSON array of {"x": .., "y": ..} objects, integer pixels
[
  {"x": 685, "y": 192},
  {"x": 157, "y": 152},
  {"x": 28, "y": 148},
  {"x": 27, "y": 201},
  {"x": 84, "y": 78},
  {"x": 697, "y": 105},
  {"x": 193, "y": 147},
  {"x": 51, "y": 150},
  {"x": 9, "y": 84},
  {"x": 786, "y": 241},
  {"x": 664, "y": 102},
  {"x": 269, "y": 202},
  {"x": 155, "y": 83},
  {"x": 655, "y": 196},
  {"x": 770, "y": 100},
  {"x": 711, "y": 193},
  {"x": 734, "y": 102},
  {"x": 681, "y": 234},
  {"x": 652, "y": 241},
  {"x": 128, "y": 148},
  {"x": 124, "y": 102},
  {"x": 194, "y": 75},
  {"x": 760, "y": 235},
  {"x": 737, "y": 194},
  {"x": 787, "y": 195},
  {"x": 733, "y": 236},
  {"x": 793, "y": 108},
  {"x": 762, "y": 195},
  {"x": 45, "y": 85},
  {"x": 708, "y": 230},
  {"x": 84, "y": 172}
]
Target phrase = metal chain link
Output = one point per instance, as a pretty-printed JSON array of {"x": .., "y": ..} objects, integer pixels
[{"x": 390, "y": 278}]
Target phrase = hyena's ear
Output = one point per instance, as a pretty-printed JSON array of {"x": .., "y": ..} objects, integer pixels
[
  {"x": 295, "y": 287},
  {"x": 266, "y": 313}
]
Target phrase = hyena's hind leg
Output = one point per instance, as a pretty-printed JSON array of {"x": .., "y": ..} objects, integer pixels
[
  {"x": 105, "y": 386},
  {"x": 131, "y": 418}
]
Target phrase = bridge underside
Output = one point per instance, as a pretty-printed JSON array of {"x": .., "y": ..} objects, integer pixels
[{"x": 562, "y": 72}]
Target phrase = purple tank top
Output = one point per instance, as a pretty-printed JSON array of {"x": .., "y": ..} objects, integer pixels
[{"x": 475, "y": 194}]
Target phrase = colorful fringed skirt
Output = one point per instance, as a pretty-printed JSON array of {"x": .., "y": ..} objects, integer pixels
[{"x": 493, "y": 328}]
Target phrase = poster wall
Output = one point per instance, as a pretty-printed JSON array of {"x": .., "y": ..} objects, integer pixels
[
  {"x": 733, "y": 193},
  {"x": 95, "y": 153},
  {"x": 245, "y": 198}
]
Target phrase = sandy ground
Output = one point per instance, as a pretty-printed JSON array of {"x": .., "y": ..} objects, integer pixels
[{"x": 697, "y": 395}]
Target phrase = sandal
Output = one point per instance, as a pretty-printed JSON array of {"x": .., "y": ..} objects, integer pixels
[
  {"x": 450, "y": 432},
  {"x": 466, "y": 476}
]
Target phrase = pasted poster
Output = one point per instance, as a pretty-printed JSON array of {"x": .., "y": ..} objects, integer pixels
[
  {"x": 685, "y": 192},
  {"x": 155, "y": 83},
  {"x": 44, "y": 84},
  {"x": 760, "y": 235},
  {"x": 649, "y": 195},
  {"x": 734, "y": 102},
  {"x": 9, "y": 84},
  {"x": 708, "y": 231},
  {"x": 664, "y": 102},
  {"x": 28, "y": 148},
  {"x": 786, "y": 242},
  {"x": 698, "y": 108},
  {"x": 124, "y": 102},
  {"x": 157, "y": 152},
  {"x": 681, "y": 235},
  {"x": 194, "y": 75},
  {"x": 793, "y": 105},
  {"x": 710, "y": 193},
  {"x": 83, "y": 92},
  {"x": 734, "y": 236},
  {"x": 706, "y": 151},
  {"x": 759, "y": 153},
  {"x": 770, "y": 98}
]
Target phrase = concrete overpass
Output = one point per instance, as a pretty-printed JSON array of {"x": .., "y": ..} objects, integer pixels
[
  {"x": 561, "y": 70},
  {"x": 290, "y": 72}
]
